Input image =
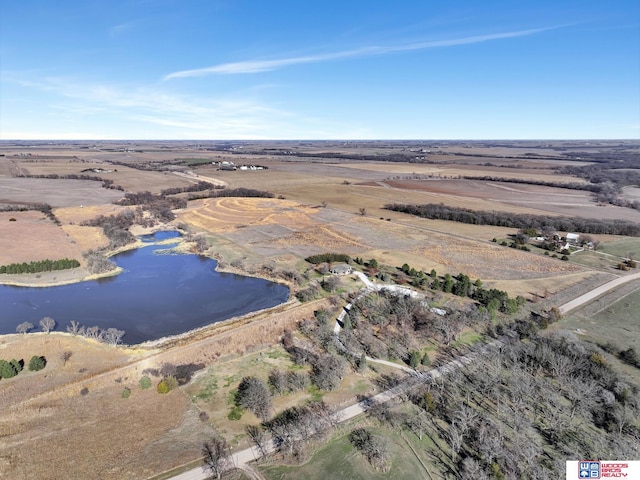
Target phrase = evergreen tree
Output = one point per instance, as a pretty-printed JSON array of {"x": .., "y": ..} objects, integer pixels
[
  {"x": 7, "y": 370},
  {"x": 414, "y": 359},
  {"x": 447, "y": 285},
  {"x": 425, "y": 359},
  {"x": 37, "y": 363},
  {"x": 18, "y": 365}
]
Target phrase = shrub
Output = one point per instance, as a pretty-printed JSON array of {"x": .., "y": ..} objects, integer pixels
[
  {"x": 172, "y": 382},
  {"x": 162, "y": 387},
  {"x": 167, "y": 384},
  {"x": 7, "y": 370},
  {"x": 597, "y": 359},
  {"x": 84, "y": 391},
  {"x": 126, "y": 392},
  {"x": 235, "y": 413},
  {"x": 425, "y": 360},
  {"x": 564, "y": 258},
  {"x": 145, "y": 382},
  {"x": 630, "y": 356},
  {"x": 17, "y": 364},
  {"x": 37, "y": 363}
]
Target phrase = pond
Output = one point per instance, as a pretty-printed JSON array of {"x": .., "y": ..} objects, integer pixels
[{"x": 158, "y": 294}]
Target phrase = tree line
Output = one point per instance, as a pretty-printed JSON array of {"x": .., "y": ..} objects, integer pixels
[
  {"x": 328, "y": 258},
  {"x": 440, "y": 211},
  {"x": 590, "y": 187},
  {"x": 40, "y": 207},
  {"x": 39, "y": 266},
  {"x": 217, "y": 192},
  {"x": 106, "y": 183}
]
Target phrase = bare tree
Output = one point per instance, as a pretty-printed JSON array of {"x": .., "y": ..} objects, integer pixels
[
  {"x": 112, "y": 336},
  {"x": 259, "y": 437},
  {"x": 471, "y": 470},
  {"x": 201, "y": 244},
  {"x": 623, "y": 415},
  {"x": 216, "y": 456},
  {"x": 327, "y": 372},
  {"x": 254, "y": 395},
  {"x": 47, "y": 324},
  {"x": 455, "y": 437},
  {"x": 279, "y": 381},
  {"x": 75, "y": 328},
  {"x": 93, "y": 332},
  {"x": 24, "y": 327},
  {"x": 374, "y": 447},
  {"x": 65, "y": 356}
]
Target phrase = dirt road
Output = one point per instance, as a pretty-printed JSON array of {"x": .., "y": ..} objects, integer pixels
[{"x": 596, "y": 292}]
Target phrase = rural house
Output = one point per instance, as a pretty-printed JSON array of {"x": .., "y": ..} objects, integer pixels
[{"x": 341, "y": 269}]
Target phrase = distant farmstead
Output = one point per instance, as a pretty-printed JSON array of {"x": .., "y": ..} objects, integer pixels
[
  {"x": 573, "y": 238},
  {"x": 341, "y": 269}
]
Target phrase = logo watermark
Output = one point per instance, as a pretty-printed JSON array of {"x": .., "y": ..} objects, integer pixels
[{"x": 585, "y": 469}]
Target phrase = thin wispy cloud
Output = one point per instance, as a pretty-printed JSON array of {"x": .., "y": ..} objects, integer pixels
[
  {"x": 257, "y": 66},
  {"x": 156, "y": 112},
  {"x": 121, "y": 28}
]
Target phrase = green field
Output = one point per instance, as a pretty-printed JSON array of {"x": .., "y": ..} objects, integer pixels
[
  {"x": 340, "y": 460},
  {"x": 622, "y": 247},
  {"x": 617, "y": 323}
]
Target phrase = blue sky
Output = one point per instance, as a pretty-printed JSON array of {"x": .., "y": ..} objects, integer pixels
[{"x": 304, "y": 69}]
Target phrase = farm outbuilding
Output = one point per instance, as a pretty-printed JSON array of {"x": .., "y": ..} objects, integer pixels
[{"x": 573, "y": 238}]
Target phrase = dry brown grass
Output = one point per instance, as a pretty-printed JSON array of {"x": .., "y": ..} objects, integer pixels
[
  {"x": 34, "y": 237},
  {"x": 55, "y": 192},
  {"x": 226, "y": 214},
  {"x": 101, "y": 434}
]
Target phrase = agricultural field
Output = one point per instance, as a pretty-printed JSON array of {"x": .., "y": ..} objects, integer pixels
[
  {"x": 326, "y": 197},
  {"x": 57, "y": 193},
  {"x": 29, "y": 237}
]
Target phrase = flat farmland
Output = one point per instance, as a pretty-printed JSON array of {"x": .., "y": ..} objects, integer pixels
[
  {"x": 390, "y": 169},
  {"x": 57, "y": 193},
  {"x": 546, "y": 200},
  {"x": 370, "y": 185},
  {"x": 33, "y": 237},
  {"x": 131, "y": 179}
]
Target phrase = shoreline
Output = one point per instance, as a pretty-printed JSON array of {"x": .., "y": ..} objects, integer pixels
[
  {"x": 79, "y": 274},
  {"x": 29, "y": 280}
]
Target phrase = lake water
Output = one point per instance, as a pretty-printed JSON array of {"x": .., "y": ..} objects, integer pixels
[{"x": 156, "y": 295}]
